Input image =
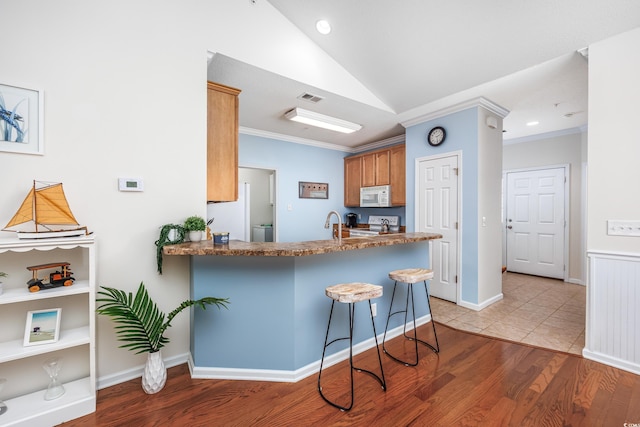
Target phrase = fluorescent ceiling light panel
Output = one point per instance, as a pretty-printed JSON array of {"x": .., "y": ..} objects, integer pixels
[{"x": 322, "y": 121}]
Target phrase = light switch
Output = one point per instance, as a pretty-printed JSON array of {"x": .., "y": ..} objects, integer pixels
[{"x": 623, "y": 228}]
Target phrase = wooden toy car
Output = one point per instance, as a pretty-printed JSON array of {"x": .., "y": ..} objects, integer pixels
[{"x": 61, "y": 277}]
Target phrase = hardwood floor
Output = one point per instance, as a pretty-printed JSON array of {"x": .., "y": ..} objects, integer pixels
[{"x": 474, "y": 381}]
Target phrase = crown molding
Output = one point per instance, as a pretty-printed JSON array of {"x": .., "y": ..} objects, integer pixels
[
  {"x": 321, "y": 144},
  {"x": 546, "y": 135},
  {"x": 294, "y": 139},
  {"x": 472, "y": 103}
]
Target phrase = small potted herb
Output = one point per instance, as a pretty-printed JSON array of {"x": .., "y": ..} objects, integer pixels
[{"x": 195, "y": 226}]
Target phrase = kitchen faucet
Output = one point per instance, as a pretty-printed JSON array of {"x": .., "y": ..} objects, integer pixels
[{"x": 326, "y": 225}]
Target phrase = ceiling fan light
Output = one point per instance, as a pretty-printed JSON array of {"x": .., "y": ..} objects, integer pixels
[{"x": 320, "y": 120}]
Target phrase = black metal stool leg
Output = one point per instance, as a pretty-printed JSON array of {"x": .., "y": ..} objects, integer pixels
[
  {"x": 414, "y": 338},
  {"x": 433, "y": 323},
  {"x": 381, "y": 379}
]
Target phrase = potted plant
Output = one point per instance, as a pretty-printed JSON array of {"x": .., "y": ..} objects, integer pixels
[
  {"x": 170, "y": 234},
  {"x": 195, "y": 226},
  {"x": 141, "y": 325},
  {"x": 2, "y": 274}
]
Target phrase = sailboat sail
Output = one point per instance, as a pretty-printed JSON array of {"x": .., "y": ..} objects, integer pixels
[{"x": 44, "y": 206}]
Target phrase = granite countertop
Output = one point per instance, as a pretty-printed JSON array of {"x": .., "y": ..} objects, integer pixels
[{"x": 312, "y": 247}]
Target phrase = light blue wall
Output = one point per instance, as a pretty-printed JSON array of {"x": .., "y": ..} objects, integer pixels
[
  {"x": 296, "y": 162},
  {"x": 278, "y": 309},
  {"x": 462, "y": 135}
]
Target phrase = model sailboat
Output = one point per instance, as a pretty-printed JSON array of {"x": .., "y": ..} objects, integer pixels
[{"x": 46, "y": 208}]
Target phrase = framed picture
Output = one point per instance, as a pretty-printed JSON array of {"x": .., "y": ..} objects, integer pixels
[
  {"x": 21, "y": 118},
  {"x": 43, "y": 326},
  {"x": 313, "y": 190}
]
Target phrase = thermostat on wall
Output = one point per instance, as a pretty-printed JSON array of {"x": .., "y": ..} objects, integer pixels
[{"x": 130, "y": 184}]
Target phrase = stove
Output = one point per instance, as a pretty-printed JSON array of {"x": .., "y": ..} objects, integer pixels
[
  {"x": 376, "y": 222},
  {"x": 375, "y": 226}
]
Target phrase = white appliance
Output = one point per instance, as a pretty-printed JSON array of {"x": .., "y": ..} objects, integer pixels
[
  {"x": 378, "y": 196},
  {"x": 376, "y": 225},
  {"x": 233, "y": 217}
]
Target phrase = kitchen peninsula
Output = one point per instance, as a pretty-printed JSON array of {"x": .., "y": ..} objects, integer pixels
[{"x": 276, "y": 321}]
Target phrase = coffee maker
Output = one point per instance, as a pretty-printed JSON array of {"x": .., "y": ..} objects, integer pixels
[{"x": 351, "y": 220}]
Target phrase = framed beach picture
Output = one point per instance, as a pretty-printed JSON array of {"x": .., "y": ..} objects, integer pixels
[
  {"x": 43, "y": 326},
  {"x": 21, "y": 118}
]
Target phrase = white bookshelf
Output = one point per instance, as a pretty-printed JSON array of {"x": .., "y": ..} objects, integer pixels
[{"x": 22, "y": 365}]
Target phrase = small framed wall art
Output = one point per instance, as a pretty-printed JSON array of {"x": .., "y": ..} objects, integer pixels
[
  {"x": 313, "y": 190},
  {"x": 43, "y": 326},
  {"x": 21, "y": 118}
]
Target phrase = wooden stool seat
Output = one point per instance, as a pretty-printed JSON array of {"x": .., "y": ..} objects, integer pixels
[
  {"x": 353, "y": 292},
  {"x": 411, "y": 275}
]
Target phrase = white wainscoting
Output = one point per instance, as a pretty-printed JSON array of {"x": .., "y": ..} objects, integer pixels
[{"x": 613, "y": 310}]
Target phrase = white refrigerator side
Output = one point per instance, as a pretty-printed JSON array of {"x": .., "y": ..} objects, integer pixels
[{"x": 232, "y": 217}]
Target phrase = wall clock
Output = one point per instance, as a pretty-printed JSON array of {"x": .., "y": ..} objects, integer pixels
[{"x": 436, "y": 136}]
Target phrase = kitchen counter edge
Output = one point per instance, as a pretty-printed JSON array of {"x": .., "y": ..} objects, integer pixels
[{"x": 312, "y": 247}]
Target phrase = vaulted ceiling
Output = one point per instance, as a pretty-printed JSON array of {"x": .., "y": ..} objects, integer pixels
[{"x": 417, "y": 57}]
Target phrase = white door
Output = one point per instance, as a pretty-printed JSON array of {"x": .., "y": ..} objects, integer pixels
[
  {"x": 437, "y": 211},
  {"x": 535, "y": 222}
]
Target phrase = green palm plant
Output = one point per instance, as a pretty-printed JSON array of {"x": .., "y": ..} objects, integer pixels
[{"x": 141, "y": 324}]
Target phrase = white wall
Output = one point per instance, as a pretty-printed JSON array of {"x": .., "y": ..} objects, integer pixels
[
  {"x": 614, "y": 140},
  {"x": 125, "y": 96},
  {"x": 489, "y": 195},
  {"x": 554, "y": 151},
  {"x": 613, "y": 151}
]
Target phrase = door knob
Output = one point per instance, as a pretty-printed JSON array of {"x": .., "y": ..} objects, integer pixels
[{"x": 509, "y": 227}]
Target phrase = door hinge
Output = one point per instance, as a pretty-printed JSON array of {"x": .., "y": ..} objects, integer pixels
[
  {"x": 456, "y": 171},
  {"x": 456, "y": 278},
  {"x": 456, "y": 225}
]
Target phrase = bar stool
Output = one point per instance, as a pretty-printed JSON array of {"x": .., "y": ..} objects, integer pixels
[
  {"x": 410, "y": 276},
  {"x": 351, "y": 293}
]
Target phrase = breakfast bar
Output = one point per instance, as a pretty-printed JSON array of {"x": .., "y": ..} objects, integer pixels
[{"x": 276, "y": 320}]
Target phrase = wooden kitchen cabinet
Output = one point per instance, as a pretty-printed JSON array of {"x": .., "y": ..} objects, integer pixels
[
  {"x": 222, "y": 143},
  {"x": 375, "y": 168},
  {"x": 352, "y": 180},
  {"x": 380, "y": 167},
  {"x": 397, "y": 175}
]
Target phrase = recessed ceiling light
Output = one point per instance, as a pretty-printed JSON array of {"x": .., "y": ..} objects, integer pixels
[
  {"x": 534, "y": 123},
  {"x": 323, "y": 27}
]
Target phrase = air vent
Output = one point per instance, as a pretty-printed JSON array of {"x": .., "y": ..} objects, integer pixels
[{"x": 311, "y": 97}]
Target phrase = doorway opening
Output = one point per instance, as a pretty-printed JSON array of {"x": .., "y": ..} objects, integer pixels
[{"x": 262, "y": 202}]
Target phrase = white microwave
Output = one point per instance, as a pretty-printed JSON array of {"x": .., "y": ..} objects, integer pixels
[{"x": 378, "y": 196}]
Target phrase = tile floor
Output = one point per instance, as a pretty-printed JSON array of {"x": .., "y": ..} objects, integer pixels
[{"x": 538, "y": 311}]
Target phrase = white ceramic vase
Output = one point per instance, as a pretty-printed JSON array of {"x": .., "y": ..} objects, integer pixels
[
  {"x": 154, "y": 376},
  {"x": 195, "y": 236}
]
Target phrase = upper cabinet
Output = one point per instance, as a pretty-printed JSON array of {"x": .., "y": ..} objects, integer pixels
[
  {"x": 380, "y": 167},
  {"x": 222, "y": 143},
  {"x": 397, "y": 175},
  {"x": 352, "y": 180},
  {"x": 375, "y": 168}
]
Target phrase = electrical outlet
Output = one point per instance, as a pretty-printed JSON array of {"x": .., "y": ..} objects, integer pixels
[{"x": 374, "y": 309}]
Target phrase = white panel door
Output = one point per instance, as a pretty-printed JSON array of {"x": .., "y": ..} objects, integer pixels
[
  {"x": 438, "y": 213},
  {"x": 535, "y": 222}
]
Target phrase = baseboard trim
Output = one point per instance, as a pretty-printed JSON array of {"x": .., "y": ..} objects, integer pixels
[
  {"x": 298, "y": 374},
  {"x": 611, "y": 361},
  {"x": 133, "y": 373},
  {"x": 483, "y": 305}
]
